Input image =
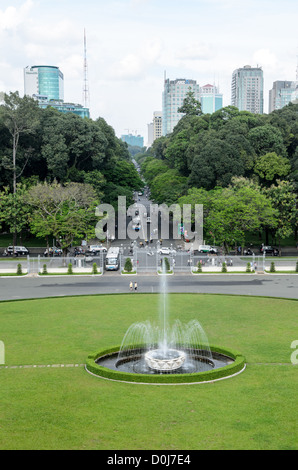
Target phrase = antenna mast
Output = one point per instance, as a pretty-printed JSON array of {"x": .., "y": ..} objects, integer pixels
[{"x": 86, "y": 86}]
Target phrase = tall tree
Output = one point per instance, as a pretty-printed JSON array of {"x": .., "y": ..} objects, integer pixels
[
  {"x": 21, "y": 117},
  {"x": 65, "y": 212},
  {"x": 190, "y": 106}
]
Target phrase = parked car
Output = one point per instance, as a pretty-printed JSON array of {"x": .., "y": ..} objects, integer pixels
[
  {"x": 247, "y": 252},
  {"x": 18, "y": 251},
  {"x": 270, "y": 250}
]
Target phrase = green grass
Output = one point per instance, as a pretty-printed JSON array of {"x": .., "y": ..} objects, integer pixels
[{"x": 66, "y": 408}]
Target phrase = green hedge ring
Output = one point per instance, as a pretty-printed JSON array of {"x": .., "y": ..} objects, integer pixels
[{"x": 234, "y": 368}]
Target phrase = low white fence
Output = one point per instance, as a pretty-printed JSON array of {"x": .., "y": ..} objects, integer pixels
[{"x": 146, "y": 261}]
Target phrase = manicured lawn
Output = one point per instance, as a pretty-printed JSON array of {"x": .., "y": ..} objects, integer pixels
[{"x": 67, "y": 408}]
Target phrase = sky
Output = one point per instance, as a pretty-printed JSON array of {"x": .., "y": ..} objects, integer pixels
[{"x": 133, "y": 44}]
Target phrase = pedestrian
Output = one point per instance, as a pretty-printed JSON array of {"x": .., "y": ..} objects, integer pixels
[
  {"x": 136, "y": 286},
  {"x": 131, "y": 285}
]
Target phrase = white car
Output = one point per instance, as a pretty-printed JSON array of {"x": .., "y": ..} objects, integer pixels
[
  {"x": 18, "y": 250},
  {"x": 164, "y": 251},
  {"x": 204, "y": 248},
  {"x": 97, "y": 249}
]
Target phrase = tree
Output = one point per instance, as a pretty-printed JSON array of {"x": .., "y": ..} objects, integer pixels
[
  {"x": 190, "y": 106},
  {"x": 266, "y": 139},
  {"x": 284, "y": 199},
  {"x": 167, "y": 187},
  {"x": 214, "y": 163},
  {"x": 229, "y": 213},
  {"x": 13, "y": 212},
  {"x": 66, "y": 212},
  {"x": 21, "y": 117},
  {"x": 270, "y": 167},
  {"x": 176, "y": 152}
]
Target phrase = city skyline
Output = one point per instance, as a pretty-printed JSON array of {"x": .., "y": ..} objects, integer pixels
[{"x": 131, "y": 44}]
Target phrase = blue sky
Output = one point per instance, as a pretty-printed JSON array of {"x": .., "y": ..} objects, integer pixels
[{"x": 132, "y": 43}]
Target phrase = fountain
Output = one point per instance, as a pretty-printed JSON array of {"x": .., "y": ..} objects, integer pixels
[{"x": 163, "y": 349}]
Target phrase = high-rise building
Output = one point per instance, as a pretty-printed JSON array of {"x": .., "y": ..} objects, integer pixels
[
  {"x": 157, "y": 125},
  {"x": 134, "y": 140},
  {"x": 210, "y": 98},
  {"x": 44, "y": 80},
  {"x": 45, "y": 83},
  {"x": 155, "y": 128},
  {"x": 248, "y": 89},
  {"x": 172, "y": 99},
  {"x": 281, "y": 94}
]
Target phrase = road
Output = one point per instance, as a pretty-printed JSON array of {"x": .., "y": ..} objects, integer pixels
[{"x": 276, "y": 285}]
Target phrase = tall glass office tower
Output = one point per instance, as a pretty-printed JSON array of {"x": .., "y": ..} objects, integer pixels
[
  {"x": 46, "y": 84},
  {"x": 172, "y": 98},
  {"x": 248, "y": 89},
  {"x": 211, "y": 99},
  {"x": 44, "y": 80},
  {"x": 281, "y": 94}
]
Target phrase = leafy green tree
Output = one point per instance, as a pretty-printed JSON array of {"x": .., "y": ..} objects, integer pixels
[
  {"x": 215, "y": 164},
  {"x": 152, "y": 167},
  {"x": 270, "y": 167},
  {"x": 284, "y": 199},
  {"x": 123, "y": 173},
  {"x": 190, "y": 106},
  {"x": 266, "y": 139},
  {"x": 66, "y": 212},
  {"x": 168, "y": 187},
  {"x": 230, "y": 213},
  {"x": 176, "y": 152},
  {"x": 13, "y": 212},
  {"x": 21, "y": 117}
]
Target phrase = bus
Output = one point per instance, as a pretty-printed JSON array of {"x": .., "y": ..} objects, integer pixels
[{"x": 113, "y": 259}]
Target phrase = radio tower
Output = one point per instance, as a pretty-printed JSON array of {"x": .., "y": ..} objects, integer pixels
[{"x": 86, "y": 98}]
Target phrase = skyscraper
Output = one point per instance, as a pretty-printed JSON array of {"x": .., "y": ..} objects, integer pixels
[
  {"x": 248, "y": 89},
  {"x": 210, "y": 98},
  {"x": 44, "y": 80},
  {"x": 172, "y": 98},
  {"x": 281, "y": 94},
  {"x": 45, "y": 83}
]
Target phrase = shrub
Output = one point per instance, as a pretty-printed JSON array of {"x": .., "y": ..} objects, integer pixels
[
  {"x": 44, "y": 269},
  {"x": 248, "y": 270},
  {"x": 224, "y": 267},
  {"x": 128, "y": 265},
  {"x": 69, "y": 270},
  {"x": 19, "y": 270},
  {"x": 167, "y": 264},
  {"x": 199, "y": 266},
  {"x": 94, "y": 268},
  {"x": 237, "y": 365},
  {"x": 296, "y": 267},
  {"x": 272, "y": 267}
]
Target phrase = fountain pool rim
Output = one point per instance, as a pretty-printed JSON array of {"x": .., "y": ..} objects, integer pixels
[{"x": 235, "y": 366}]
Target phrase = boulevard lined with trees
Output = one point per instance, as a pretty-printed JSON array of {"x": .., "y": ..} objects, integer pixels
[
  {"x": 56, "y": 168},
  {"x": 242, "y": 167}
]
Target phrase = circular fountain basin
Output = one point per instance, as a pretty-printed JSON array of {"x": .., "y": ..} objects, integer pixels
[{"x": 168, "y": 360}]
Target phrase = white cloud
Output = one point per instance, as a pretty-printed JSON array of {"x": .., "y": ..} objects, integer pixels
[
  {"x": 12, "y": 16},
  {"x": 130, "y": 43},
  {"x": 265, "y": 58}
]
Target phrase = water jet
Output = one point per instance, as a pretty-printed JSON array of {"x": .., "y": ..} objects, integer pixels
[{"x": 165, "y": 353}]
